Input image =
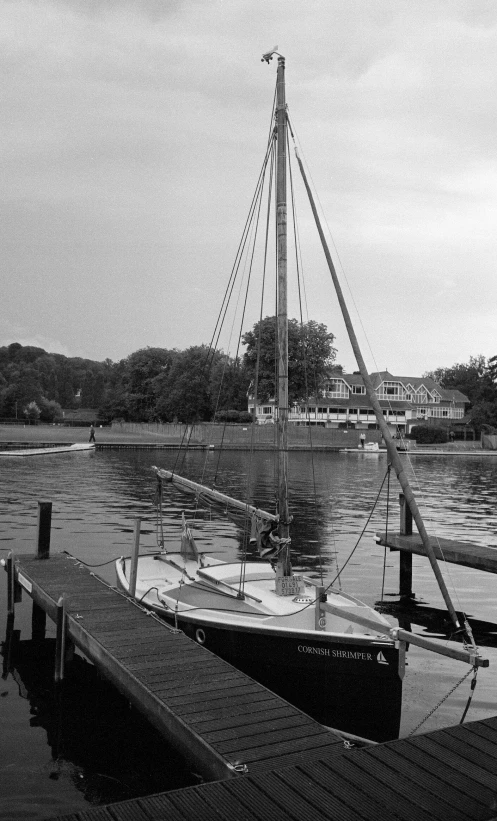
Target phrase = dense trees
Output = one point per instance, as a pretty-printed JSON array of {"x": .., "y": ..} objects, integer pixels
[
  {"x": 52, "y": 381},
  {"x": 154, "y": 384},
  {"x": 310, "y": 356},
  {"x": 477, "y": 379}
]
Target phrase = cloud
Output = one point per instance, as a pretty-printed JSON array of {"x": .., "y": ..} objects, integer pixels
[{"x": 133, "y": 134}]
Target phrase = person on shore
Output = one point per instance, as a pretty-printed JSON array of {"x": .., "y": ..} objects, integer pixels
[
  {"x": 92, "y": 433},
  {"x": 362, "y": 439}
]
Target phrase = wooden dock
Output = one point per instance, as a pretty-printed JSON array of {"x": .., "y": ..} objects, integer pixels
[
  {"x": 447, "y": 775},
  {"x": 476, "y": 556},
  {"x": 220, "y": 719},
  {"x": 408, "y": 544}
]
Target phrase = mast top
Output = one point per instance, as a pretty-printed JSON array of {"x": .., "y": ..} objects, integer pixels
[{"x": 268, "y": 56}]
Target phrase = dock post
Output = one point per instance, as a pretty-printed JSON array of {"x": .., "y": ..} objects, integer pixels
[
  {"x": 38, "y": 623},
  {"x": 44, "y": 527},
  {"x": 405, "y": 558},
  {"x": 134, "y": 558},
  {"x": 60, "y": 641}
]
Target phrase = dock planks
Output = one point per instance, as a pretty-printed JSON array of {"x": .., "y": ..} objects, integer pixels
[
  {"x": 446, "y": 775},
  {"x": 181, "y": 687}
]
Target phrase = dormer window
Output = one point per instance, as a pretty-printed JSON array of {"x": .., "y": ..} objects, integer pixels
[{"x": 337, "y": 388}]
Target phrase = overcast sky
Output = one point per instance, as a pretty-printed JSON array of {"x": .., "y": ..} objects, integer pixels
[{"x": 133, "y": 134}]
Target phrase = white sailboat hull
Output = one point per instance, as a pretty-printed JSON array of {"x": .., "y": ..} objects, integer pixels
[{"x": 339, "y": 675}]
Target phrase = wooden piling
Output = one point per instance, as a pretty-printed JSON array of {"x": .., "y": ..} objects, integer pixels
[
  {"x": 60, "y": 641},
  {"x": 405, "y": 559},
  {"x": 44, "y": 529},
  {"x": 38, "y": 623}
]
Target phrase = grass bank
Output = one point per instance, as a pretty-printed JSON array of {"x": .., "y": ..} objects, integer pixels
[{"x": 58, "y": 433}]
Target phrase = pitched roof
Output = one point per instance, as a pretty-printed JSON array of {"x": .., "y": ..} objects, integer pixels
[{"x": 447, "y": 394}]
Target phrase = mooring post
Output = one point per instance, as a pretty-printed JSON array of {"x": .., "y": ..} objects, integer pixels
[
  {"x": 134, "y": 558},
  {"x": 11, "y": 636},
  {"x": 405, "y": 558},
  {"x": 38, "y": 623},
  {"x": 60, "y": 641},
  {"x": 44, "y": 528}
]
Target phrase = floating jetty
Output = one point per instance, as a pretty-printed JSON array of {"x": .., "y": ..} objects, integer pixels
[
  {"x": 448, "y": 775},
  {"x": 219, "y": 718},
  {"x": 48, "y": 450},
  {"x": 408, "y": 543}
]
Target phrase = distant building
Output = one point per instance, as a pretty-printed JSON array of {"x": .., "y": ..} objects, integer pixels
[{"x": 405, "y": 400}]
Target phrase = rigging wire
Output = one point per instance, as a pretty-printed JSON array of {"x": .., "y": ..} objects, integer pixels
[
  {"x": 362, "y": 531},
  {"x": 389, "y": 469},
  {"x": 344, "y": 274},
  {"x": 213, "y": 346}
]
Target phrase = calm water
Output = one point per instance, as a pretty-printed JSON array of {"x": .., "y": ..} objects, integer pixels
[{"x": 60, "y": 752}]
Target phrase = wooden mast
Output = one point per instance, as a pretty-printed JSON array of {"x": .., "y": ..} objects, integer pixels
[{"x": 282, "y": 314}]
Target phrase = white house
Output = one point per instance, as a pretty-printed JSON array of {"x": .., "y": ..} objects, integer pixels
[{"x": 405, "y": 401}]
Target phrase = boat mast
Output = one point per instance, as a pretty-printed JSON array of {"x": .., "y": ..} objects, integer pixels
[{"x": 282, "y": 307}]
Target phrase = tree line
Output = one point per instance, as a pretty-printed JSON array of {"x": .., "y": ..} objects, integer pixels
[
  {"x": 160, "y": 384},
  {"x": 198, "y": 384},
  {"x": 477, "y": 379}
]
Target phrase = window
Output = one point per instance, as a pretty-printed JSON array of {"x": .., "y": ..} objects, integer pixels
[
  {"x": 267, "y": 409},
  {"x": 358, "y": 389},
  {"x": 353, "y": 411},
  {"x": 387, "y": 390},
  {"x": 311, "y": 409},
  {"x": 322, "y": 410},
  {"x": 363, "y": 411},
  {"x": 337, "y": 388}
]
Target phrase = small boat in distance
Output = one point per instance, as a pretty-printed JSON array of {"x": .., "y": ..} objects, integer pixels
[{"x": 323, "y": 650}]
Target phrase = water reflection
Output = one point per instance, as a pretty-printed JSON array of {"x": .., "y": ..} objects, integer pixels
[{"x": 96, "y": 740}]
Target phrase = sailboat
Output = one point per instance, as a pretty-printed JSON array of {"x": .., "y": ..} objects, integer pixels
[{"x": 326, "y": 652}]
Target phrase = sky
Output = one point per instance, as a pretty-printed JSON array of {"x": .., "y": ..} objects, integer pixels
[{"x": 133, "y": 132}]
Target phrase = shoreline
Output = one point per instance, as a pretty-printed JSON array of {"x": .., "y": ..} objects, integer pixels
[{"x": 31, "y": 436}]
